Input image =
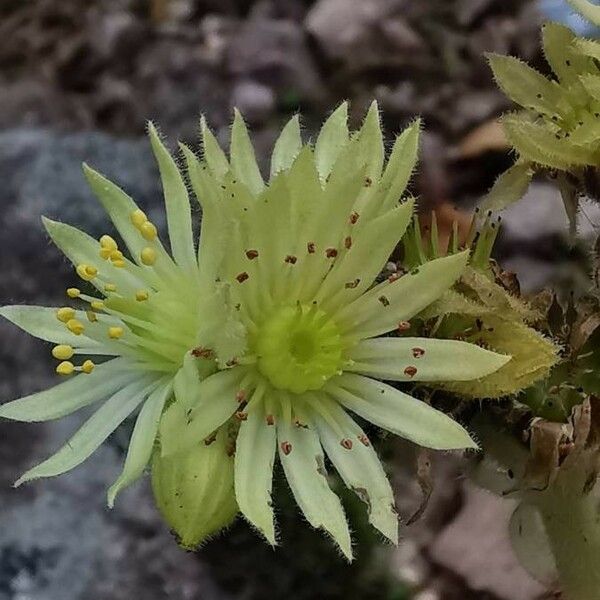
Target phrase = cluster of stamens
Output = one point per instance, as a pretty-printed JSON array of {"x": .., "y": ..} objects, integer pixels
[
  {"x": 148, "y": 231},
  {"x": 109, "y": 251}
]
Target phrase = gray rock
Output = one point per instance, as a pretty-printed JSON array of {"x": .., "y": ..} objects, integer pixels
[
  {"x": 254, "y": 100},
  {"x": 41, "y": 175},
  {"x": 359, "y": 33},
  {"x": 275, "y": 53}
]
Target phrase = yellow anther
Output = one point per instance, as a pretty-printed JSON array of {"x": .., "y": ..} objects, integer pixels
[
  {"x": 64, "y": 314},
  {"x": 148, "y": 231},
  {"x": 119, "y": 263},
  {"x": 73, "y": 293},
  {"x": 105, "y": 253},
  {"x": 116, "y": 255},
  {"x": 86, "y": 272},
  {"x": 141, "y": 295},
  {"x": 148, "y": 255},
  {"x": 62, "y": 352},
  {"x": 65, "y": 368},
  {"x": 138, "y": 218},
  {"x": 114, "y": 333},
  {"x": 91, "y": 316},
  {"x": 110, "y": 287},
  {"x": 97, "y": 305},
  {"x": 107, "y": 242},
  {"x": 87, "y": 366},
  {"x": 75, "y": 326}
]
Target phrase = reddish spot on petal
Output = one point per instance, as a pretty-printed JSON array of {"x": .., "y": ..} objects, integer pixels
[
  {"x": 368, "y": 182},
  {"x": 354, "y": 218},
  {"x": 348, "y": 243},
  {"x": 346, "y": 443},
  {"x": 394, "y": 277},
  {"x": 364, "y": 440},
  {"x": 352, "y": 284},
  {"x": 201, "y": 352},
  {"x": 403, "y": 326},
  {"x": 418, "y": 352},
  {"x": 384, "y": 300},
  {"x": 210, "y": 439},
  {"x": 270, "y": 420},
  {"x": 286, "y": 447},
  {"x": 311, "y": 247},
  {"x": 241, "y": 415},
  {"x": 410, "y": 371},
  {"x": 252, "y": 254},
  {"x": 242, "y": 277},
  {"x": 232, "y": 362},
  {"x": 241, "y": 396},
  {"x": 290, "y": 259},
  {"x": 331, "y": 253}
]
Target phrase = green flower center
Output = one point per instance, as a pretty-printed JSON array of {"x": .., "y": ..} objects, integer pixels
[{"x": 298, "y": 348}]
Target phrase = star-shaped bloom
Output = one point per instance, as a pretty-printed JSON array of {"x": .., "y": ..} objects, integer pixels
[
  {"x": 296, "y": 259},
  {"x": 139, "y": 317}
]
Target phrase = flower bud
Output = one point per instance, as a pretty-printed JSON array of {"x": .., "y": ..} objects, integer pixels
[{"x": 194, "y": 490}]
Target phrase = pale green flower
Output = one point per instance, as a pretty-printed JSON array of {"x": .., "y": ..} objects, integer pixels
[
  {"x": 296, "y": 258},
  {"x": 141, "y": 322}
]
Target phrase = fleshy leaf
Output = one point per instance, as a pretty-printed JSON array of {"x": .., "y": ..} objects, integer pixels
[
  {"x": 538, "y": 144},
  {"x": 588, "y": 10},
  {"x": 509, "y": 188},
  {"x": 524, "y": 85}
]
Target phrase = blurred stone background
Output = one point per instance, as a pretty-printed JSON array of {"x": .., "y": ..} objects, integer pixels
[{"x": 78, "y": 82}]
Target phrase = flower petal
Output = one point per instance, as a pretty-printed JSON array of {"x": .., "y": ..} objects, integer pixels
[
  {"x": 93, "y": 432},
  {"x": 399, "y": 168},
  {"x": 254, "y": 458},
  {"x": 177, "y": 204},
  {"x": 422, "y": 359},
  {"x": 369, "y": 143},
  {"x": 243, "y": 160},
  {"x": 213, "y": 154},
  {"x": 215, "y": 227},
  {"x": 287, "y": 146},
  {"x": 332, "y": 138},
  {"x": 120, "y": 207},
  {"x": 200, "y": 411},
  {"x": 357, "y": 463},
  {"x": 69, "y": 396},
  {"x": 398, "y": 412},
  {"x": 41, "y": 322},
  {"x": 302, "y": 458},
  {"x": 142, "y": 440},
  {"x": 80, "y": 248},
  {"x": 371, "y": 248},
  {"x": 381, "y": 308}
]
